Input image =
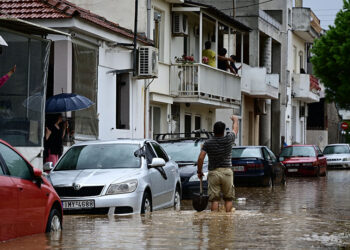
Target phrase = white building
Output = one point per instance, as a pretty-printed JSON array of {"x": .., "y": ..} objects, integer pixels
[{"x": 94, "y": 61}]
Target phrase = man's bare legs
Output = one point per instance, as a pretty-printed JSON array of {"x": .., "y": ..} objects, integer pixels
[{"x": 215, "y": 206}]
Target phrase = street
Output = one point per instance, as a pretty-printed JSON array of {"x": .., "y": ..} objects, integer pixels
[{"x": 308, "y": 212}]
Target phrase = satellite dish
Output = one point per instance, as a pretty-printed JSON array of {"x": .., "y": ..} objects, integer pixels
[{"x": 2, "y": 42}]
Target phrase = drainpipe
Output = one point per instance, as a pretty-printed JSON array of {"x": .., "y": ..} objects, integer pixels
[
  {"x": 148, "y": 19},
  {"x": 135, "y": 40}
]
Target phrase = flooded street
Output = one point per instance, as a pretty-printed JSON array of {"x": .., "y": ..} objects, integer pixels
[{"x": 308, "y": 212}]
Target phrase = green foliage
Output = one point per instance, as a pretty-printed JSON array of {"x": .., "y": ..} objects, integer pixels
[{"x": 331, "y": 60}]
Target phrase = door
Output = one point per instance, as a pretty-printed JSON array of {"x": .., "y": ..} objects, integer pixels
[
  {"x": 277, "y": 166},
  {"x": 269, "y": 162},
  {"x": 170, "y": 171},
  {"x": 322, "y": 160},
  {"x": 8, "y": 205},
  {"x": 157, "y": 177},
  {"x": 188, "y": 127},
  {"x": 32, "y": 199}
]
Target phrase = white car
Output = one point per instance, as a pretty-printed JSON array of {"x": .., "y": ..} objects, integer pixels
[
  {"x": 338, "y": 155},
  {"x": 116, "y": 177}
]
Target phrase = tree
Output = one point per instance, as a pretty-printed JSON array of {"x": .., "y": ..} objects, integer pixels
[{"x": 331, "y": 59}]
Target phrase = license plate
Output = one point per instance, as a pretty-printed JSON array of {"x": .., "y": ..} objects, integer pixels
[
  {"x": 78, "y": 204},
  {"x": 292, "y": 170},
  {"x": 238, "y": 168}
]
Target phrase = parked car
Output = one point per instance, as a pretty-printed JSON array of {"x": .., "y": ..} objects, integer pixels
[
  {"x": 28, "y": 202},
  {"x": 116, "y": 177},
  {"x": 337, "y": 155},
  {"x": 257, "y": 165},
  {"x": 305, "y": 160},
  {"x": 185, "y": 151}
]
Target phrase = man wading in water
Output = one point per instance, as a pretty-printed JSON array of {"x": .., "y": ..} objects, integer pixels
[{"x": 220, "y": 176}]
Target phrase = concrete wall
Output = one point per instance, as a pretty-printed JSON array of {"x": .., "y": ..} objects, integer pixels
[
  {"x": 121, "y": 11},
  {"x": 317, "y": 137}
]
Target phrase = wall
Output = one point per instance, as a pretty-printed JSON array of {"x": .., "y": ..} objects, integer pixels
[
  {"x": 247, "y": 107},
  {"x": 124, "y": 8},
  {"x": 318, "y": 137}
]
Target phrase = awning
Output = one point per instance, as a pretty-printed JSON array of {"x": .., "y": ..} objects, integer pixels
[{"x": 28, "y": 27}]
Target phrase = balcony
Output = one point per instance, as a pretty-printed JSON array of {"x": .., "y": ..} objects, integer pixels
[
  {"x": 257, "y": 83},
  {"x": 199, "y": 83},
  {"x": 306, "y": 24},
  {"x": 306, "y": 88}
]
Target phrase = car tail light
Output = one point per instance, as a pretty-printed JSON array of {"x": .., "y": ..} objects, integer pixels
[{"x": 259, "y": 166}]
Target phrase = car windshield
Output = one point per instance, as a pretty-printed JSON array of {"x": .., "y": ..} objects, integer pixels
[
  {"x": 183, "y": 151},
  {"x": 100, "y": 156},
  {"x": 338, "y": 149},
  {"x": 306, "y": 151},
  {"x": 246, "y": 153}
]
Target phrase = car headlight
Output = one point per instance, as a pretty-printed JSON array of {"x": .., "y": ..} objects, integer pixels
[
  {"x": 195, "y": 177},
  {"x": 122, "y": 188},
  {"x": 309, "y": 164}
]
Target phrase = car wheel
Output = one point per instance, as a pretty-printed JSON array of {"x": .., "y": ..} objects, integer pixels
[
  {"x": 146, "y": 206},
  {"x": 54, "y": 223},
  {"x": 177, "y": 199}
]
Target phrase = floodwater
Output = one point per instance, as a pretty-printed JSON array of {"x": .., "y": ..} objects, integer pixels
[{"x": 306, "y": 213}]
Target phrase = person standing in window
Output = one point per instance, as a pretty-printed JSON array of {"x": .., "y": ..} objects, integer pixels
[
  {"x": 4, "y": 78},
  {"x": 209, "y": 54},
  {"x": 54, "y": 135}
]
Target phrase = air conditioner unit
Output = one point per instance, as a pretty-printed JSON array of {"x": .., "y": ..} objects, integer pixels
[
  {"x": 180, "y": 24},
  {"x": 147, "y": 62},
  {"x": 260, "y": 107}
]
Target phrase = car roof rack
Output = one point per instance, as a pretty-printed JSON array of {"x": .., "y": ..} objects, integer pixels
[{"x": 196, "y": 135}]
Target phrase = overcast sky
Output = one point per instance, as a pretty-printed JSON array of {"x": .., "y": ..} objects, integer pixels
[{"x": 325, "y": 10}]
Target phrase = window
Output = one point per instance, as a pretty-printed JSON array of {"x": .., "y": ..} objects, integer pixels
[
  {"x": 1, "y": 170},
  {"x": 160, "y": 152},
  {"x": 266, "y": 154},
  {"x": 84, "y": 75},
  {"x": 123, "y": 102},
  {"x": 23, "y": 95},
  {"x": 272, "y": 155},
  {"x": 15, "y": 163}
]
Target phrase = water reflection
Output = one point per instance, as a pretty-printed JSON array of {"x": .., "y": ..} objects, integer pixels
[{"x": 308, "y": 212}]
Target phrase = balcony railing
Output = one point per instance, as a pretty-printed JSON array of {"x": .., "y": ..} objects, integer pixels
[
  {"x": 306, "y": 88},
  {"x": 204, "y": 82},
  {"x": 256, "y": 82}
]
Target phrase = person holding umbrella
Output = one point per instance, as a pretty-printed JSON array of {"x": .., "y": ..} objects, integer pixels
[
  {"x": 220, "y": 175},
  {"x": 54, "y": 134}
]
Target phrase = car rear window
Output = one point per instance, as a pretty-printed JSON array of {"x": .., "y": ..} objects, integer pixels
[
  {"x": 246, "y": 153},
  {"x": 183, "y": 151},
  {"x": 100, "y": 156},
  {"x": 299, "y": 151},
  {"x": 339, "y": 149}
]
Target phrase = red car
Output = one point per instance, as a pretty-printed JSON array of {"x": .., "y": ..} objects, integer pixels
[
  {"x": 28, "y": 202},
  {"x": 305, "y": 160}
]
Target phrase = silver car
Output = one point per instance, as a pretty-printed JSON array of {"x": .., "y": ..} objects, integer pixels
[
  {"x": 338, "y": 155},
  {"x": 116, "y": 177}
]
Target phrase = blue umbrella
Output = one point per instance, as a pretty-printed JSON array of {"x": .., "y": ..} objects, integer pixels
[{"x": 67, "y": 102}]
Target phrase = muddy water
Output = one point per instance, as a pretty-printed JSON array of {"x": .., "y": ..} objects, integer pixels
[{"x": 307, "y": 213}]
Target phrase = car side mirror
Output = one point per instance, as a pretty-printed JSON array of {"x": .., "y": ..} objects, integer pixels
[
  {"x": 37, "y": 177},
  {"x": 48, "y": 166},
  {"x": 37, "y": 173},
  {"x": 157, "y": 162}
]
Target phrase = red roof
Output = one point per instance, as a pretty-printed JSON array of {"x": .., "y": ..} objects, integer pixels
[{"x": 58, "y": 9}]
